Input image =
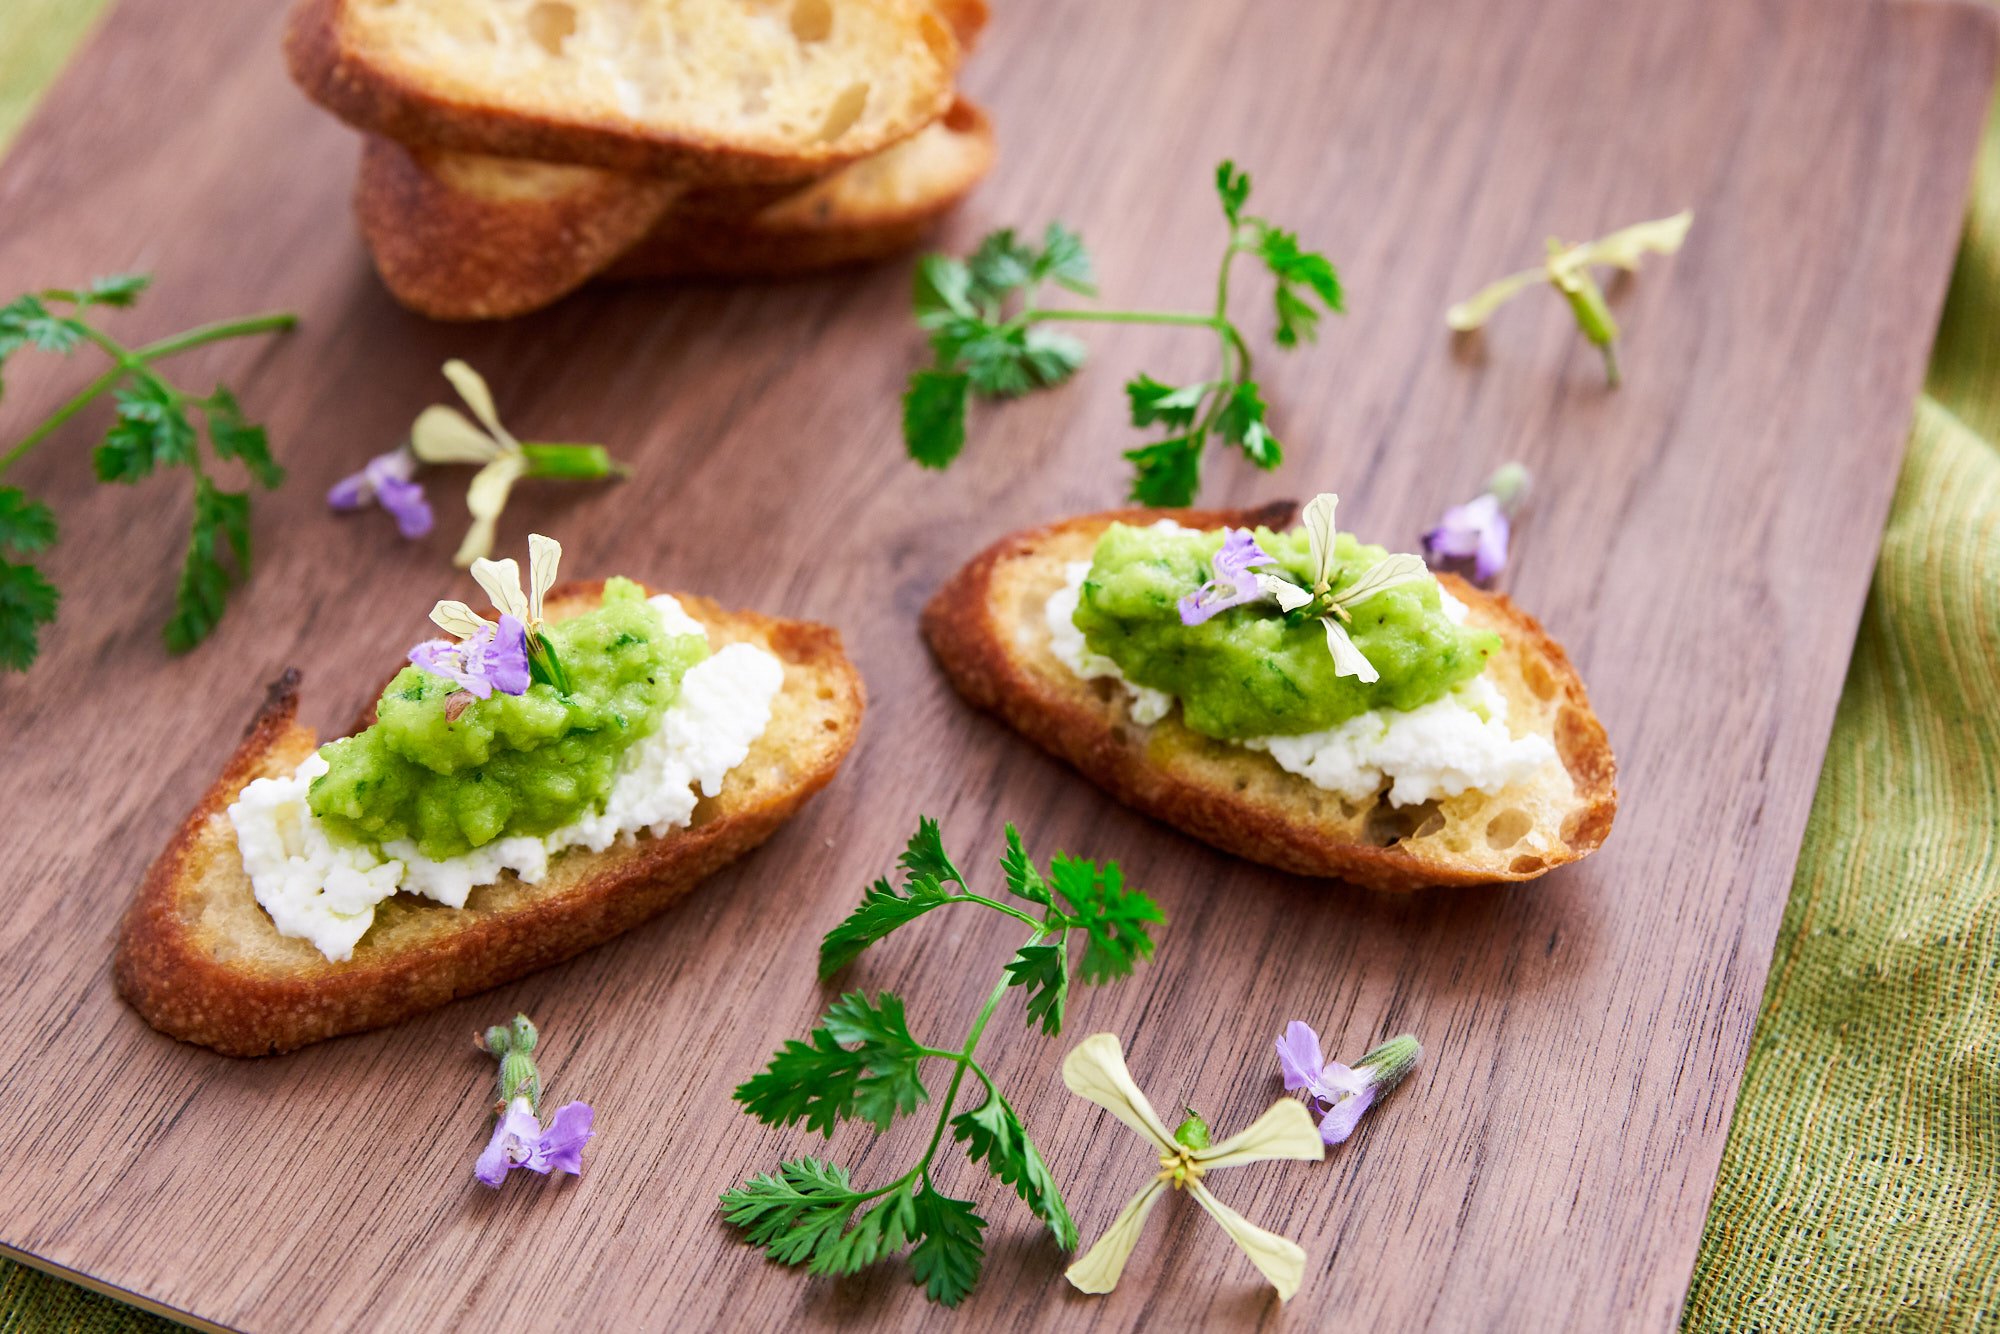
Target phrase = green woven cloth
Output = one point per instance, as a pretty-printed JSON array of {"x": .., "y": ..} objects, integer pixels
[{"x": 1860, "y": 1187}]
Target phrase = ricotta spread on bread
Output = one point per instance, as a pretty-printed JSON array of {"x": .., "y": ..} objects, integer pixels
[
  {"x": 1449, "y": 746},
  {"x": 325, "y": 891}
]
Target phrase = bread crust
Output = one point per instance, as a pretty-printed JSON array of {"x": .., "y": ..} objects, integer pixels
[
  {"x": 384, "y": 101},
  {"x": 836, "y": 222},
  {"x": 173, "y": 973},
  {"x": 976, "y": 640},
  {"x": 454, "y": 253}
]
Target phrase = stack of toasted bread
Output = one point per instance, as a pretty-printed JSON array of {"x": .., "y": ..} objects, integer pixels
[{"x": 517, "y": 149}]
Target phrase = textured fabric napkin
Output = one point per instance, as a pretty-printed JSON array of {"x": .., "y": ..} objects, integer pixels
[{"x": 1860, "y": 1187}]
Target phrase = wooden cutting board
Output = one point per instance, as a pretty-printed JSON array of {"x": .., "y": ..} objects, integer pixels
[{"x": 1702, "y": 543}]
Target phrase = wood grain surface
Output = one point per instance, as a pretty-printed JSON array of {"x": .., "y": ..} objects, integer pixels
[{"x": 1702, "y": 541}]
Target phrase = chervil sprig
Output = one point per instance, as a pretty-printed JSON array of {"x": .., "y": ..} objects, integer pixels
[
  {"x": 154, "y": 428},
  {"x": 989, "y": 337},
  {"x": 862, "y": 1063}
]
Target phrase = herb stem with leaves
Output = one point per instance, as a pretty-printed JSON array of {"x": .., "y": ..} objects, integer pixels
[
  {"x": 862, "y": 1063},
  {"x": 153, "y": 428},
  {"x": 987, "y": 339}
]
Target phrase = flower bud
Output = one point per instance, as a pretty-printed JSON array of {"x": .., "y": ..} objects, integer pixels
[
  {"x": 1509, "y": 485},
  {"x": 496, "y": 1040},
  {"x": 524, "y": 1033},
  {"x": 1192, "y": 1132},
  {"x": 1387, "y": 1064},
  {"x": 520, "y": 1079},
  {"x": 578, "y": 463}
]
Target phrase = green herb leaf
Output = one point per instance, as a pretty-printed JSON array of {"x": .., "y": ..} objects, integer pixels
[
  {"x": 934, "y": 416},
  {"x": 1233, "y": 187},
  {"x": 876, "y": 1235},
  {"x": 1242, "y": 424},
  {"x": 1044, "y": 971},
  {"x": 235, "y": 438},
  {"x": 151, "y": 431},
  {"x": 27, "y": 603},
  {"x": 1155, "y": 402},
  {"x": 1115, "y": 918},
  {"x": 1000, "y": 266},
  {"x": 1051, "y": 357},
  {"x": 1064, "y": 261},
  {"x": 994, "y": 357},
  {"x": 882, "y": 910},
  {"x": 116, "y": 289},
  {"x": 943, "y": 290},
  {"x": 886, "y": 1050},
  {"x": 948, "y": 1259},
  {"x": 1300, "y": 274},
  {"x": 1168, "y": 472},
  {"x": 26, "y": 526},
  {"x": 27, "y": 321},
  {"x": 924, "y": 858},
  {"x": 821, "y": 1082},
  {"x": 1023, "y": 880},
  {"x": 221, "y": 529},
  {"x": 992, "y": 1133},
  {"x": 794, "y": 1214}
]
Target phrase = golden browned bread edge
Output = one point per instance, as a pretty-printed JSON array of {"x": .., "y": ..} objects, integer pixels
[
  {"x": 451, "y": 255},
  {"x": 189, "y": 995},
  {"x": 959, "y": 625},
  {"x": 761, "y": 239},
  {"x": 383, "y": 102}
]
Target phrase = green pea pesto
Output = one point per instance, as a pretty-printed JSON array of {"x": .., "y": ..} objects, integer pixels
[
  {"x": 512, "y": 764},
  {"x": 1250, "y": 672}
]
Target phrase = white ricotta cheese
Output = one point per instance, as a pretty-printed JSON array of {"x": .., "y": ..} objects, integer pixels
[
  {"x": 1147, "y": 705},
  {"x": 325, "y": 892},
  {"x": 1456, "y": 744}
]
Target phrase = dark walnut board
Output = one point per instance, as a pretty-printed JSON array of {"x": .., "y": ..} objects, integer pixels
[{"x": 1701, "y": 542}]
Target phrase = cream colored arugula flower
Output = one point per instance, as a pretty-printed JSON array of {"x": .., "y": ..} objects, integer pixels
[
  {"x": 1334, "y": 608},
  {"x": 1096, "y": 1070},
  {"x": 1567, "y": 269},
  {"x": 444, "y": 435},
  {"x": 501, "y": 580}
]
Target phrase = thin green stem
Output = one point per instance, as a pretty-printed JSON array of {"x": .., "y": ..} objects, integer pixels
[
  {"x": 997, "y": 906},
  {"x": 63, "y": 414},
  {"x": 963, "y": 1058},
  {"x": 130, "y": 360},
  {"x": 1123, "y": 317}
]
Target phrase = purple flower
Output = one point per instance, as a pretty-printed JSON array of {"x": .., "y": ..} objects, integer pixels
[
  {"x": 491, "y": 658},
  {"x": 1233, "y": 584},
  {"x": 387, "y": 480},
  {"x": 1341, "y": 1094},
  {"x": 1479, "y": 529},
  {"x": 519, "y": 1141}
]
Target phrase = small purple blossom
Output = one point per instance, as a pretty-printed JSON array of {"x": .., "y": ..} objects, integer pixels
[
  {"x": 519, "y": 1141},
  {"x": 1479, "y": 530},
  {"x": 1233, "y": 564},
  {"x": 388, "y": 480},
  {"x": 1340, "y": 1094},
  {"x": 493, "y": 658}
]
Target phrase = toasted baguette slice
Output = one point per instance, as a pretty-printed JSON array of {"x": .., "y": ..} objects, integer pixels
[
  {"x": 712, "y": 90},
  {"x": 987, "y": 627},
  {"x": 877, "y": 208},
  {"x": 466, "y": 236},
  {"x": 200, "y": 960}
]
